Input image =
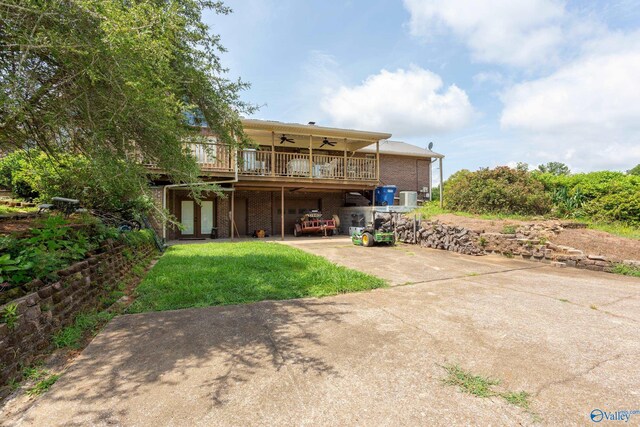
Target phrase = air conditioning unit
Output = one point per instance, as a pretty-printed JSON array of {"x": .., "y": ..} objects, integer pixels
[{"x": 408, "y": 198}]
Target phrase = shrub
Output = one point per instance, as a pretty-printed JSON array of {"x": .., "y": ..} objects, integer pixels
[
  {"x": 602, "y": 196},
  {"x": 500, "y": 190},
  {"x": 35, "y": 175}
]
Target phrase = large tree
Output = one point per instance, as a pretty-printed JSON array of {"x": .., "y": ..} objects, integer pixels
[{"x": 108, "y": 78}]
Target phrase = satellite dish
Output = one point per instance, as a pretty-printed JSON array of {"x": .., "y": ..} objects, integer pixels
[{"x": 430, "y": 145}]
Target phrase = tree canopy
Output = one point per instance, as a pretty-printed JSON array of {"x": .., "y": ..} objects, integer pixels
[
  {"x": 108, "y": 78},
  {"x": 555, "y": 168},
  {"x": 635, "y": 170}
]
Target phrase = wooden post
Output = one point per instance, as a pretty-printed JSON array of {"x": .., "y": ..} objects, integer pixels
[
  {"x": 431, "y": 179},
  {"x": 344, "y": 165},
  {"x": 232, "y": 220},
  {"x": 282, "y": 212},
  {"x": 273, "y": 154},
  {"x": 378, "y": 162},
  {"x": 310, "y": 156},
  {"x": 441, "y": 186}
]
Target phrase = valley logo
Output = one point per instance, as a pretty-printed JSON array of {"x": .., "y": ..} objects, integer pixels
[{"x": 598, "y": 415}]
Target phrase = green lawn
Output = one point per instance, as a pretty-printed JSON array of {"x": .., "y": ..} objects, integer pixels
[{"x": 199, "y": 275}]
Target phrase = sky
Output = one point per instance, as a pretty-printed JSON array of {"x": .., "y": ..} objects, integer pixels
[{"x": 489, "y": 82}]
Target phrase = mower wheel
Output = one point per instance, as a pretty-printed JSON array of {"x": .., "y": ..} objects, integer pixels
[
  {"x": 367, "y": 239},
  {"x": 296, "y": 233}
]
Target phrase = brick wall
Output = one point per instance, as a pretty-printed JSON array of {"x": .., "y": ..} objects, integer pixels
[
  {"x": 54, "y": 306},
  {"x": 407, "y": 173},
  {"x": 223, "y": 207},
  {"x": 259, "y": 211}
]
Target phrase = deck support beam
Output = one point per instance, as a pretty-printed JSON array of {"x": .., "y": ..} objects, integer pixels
[
  {"x": 232, "y": 220},
  {"x": 282, "y": 212},
  {"x": 344, "y": 165},
  {"x": 441, "y": 183}
]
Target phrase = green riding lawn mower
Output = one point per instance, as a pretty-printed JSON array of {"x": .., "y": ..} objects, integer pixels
[
  {"x": 380, "y": 232},
  {"x": 368, "y": 236}
]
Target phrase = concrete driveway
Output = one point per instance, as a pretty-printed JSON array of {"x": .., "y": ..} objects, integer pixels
[{"x": 571, "y": 338}]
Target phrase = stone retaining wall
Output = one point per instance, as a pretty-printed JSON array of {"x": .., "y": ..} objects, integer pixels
[
  {"x": 52, "y": 307},
  {"x": 531, "y": 242}
]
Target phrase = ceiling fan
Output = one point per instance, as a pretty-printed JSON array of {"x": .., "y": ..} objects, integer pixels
[
  {"x": 284, "y": 139},
  {"x": 326, "y": 141}
]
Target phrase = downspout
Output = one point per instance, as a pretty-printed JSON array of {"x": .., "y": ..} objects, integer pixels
[{"x": 195, "y": 184}]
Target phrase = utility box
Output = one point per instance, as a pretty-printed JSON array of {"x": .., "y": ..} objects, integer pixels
[{"x": 408, "y": 198}]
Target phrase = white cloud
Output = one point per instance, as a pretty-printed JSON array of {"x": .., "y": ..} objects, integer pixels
[
  {"x": 587, "y": 112},
  {"x": 411, "y": 102},
  {"x": 513, "y": 32}
]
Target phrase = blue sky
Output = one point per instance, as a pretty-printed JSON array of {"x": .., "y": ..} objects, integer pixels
[{"x": 490, "y": 82}]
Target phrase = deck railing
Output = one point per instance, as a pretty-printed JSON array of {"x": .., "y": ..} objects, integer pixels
[{"x": 260, "y": 162}]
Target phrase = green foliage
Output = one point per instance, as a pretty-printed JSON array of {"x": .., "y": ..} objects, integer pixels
[
  {"x": 600, "y": 196},
  {"x": 499, "y": 190},
  {"x": 236, "y": 273},
  {"x": 116, "y": 81},
  {"x": 34, "y": 174},
  {"x": 53, "y": 244},
  {"x": 42, "y": 386},
  {"x": 10, "y": 268},
  {"x": 10, "y": 315},
  {"x": 635, "y": 170},
  {"x": 555, "y": 168}
]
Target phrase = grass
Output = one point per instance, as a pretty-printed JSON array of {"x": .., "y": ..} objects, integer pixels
[
  {"x": 626, "y": 270},
  {"x": 5, "y": 210},
  {"x": 200, "y": 275},
  {"x": 86, "y": 323},
  {"x": 480, "y": 386},
  {"x": 42, "y": 380},
  {"x": 431, "y": 209},
  {"x": 617, "y": 229},
  {"x": 42, "y": 385}
]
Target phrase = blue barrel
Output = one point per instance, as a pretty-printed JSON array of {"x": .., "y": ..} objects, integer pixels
[{"x": 385, "y": 195}]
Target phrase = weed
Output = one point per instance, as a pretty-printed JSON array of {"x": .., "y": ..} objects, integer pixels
[
  {"x": 71, "y": 336},
  {"x": 34, "y": 373},
  {"x": 469, "y": 383},
  {"x": 508, "y": 254},
  {"x": 483, "y": 386},
  {"x": 563, "y": 300},
  {"x": 42, "y": 386},
  {"x": 473, "y": 274},
  {"x": 509, "y": 229},
  {"x": 626, "y": 270},
  {"x": 593, "y": 307},
  {"x": 14, "y": 384},
  {"x": 520, "y": 398},
  {"x": 482, "y": 242},
  {"x": 543, "y": 241},
  {"x": 10, "y": 315}
]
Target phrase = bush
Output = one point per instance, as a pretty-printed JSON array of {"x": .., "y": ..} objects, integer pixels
[
  {"x": 53, "y": 244},
  {"x": 36, "y": 175},
  {"x": 500, "y": 190},
  {"x": 603, "y": 196}
]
